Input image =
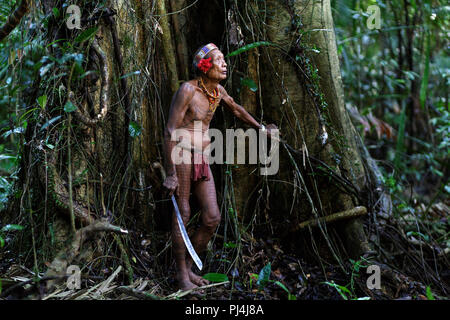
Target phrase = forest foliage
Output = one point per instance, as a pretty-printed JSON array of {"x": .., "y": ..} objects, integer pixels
[{"x": 395, "y": 80}]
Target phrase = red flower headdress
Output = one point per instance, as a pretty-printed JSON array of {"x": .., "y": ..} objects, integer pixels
[
  {"x": 204, "y": 65},
  {"x": 199, "y": 60}
]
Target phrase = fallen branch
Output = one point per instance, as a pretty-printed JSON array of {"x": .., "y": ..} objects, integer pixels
[
  {"x": 104, "y": 287},
  {"x": 141, "y": 295},
  {"x": 34, "y": 280},
  {"x": 352, "y": 213},
  {"x": 67, "y": 255},
  {"x": 181, "y": 293}
]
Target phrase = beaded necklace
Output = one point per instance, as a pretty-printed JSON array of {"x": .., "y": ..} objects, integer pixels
[{"x": 212, "y": 97}]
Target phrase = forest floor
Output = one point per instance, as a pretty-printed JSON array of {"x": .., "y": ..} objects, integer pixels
[{"x": 405, "y": 258}]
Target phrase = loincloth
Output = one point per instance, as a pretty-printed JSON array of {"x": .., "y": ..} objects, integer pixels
[{"x": 200, "y": 164}]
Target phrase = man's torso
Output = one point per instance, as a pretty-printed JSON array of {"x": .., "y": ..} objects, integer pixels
[{"x": 198, "y": 117}]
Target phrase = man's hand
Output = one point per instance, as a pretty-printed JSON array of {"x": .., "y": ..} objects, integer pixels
[
  {"x": 171, "y": 184},
  {"x": 269, "y": 128}
]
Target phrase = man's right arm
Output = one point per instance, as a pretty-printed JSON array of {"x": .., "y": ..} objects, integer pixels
[{"x": 178, "y": 108}]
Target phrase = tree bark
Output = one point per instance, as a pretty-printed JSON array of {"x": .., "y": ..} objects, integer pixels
[{"x": 291, "y": 103}]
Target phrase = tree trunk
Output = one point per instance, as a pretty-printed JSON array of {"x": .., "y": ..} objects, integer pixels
[{"x": 301, "y": 93}]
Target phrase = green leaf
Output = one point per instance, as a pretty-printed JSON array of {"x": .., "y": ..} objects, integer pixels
[
  {"x": 55, "y": 12},
  {"x": 27, "y": 113},
  {"x": 52, "y": 233},
  {"x": 43, "y": 70},
  {"x": 2, "y": 242},
  {"x": 250, "y": 84},
  {"x": 216, "y": 277},
  {"x": 340, "y": 289},
  {"x": 69, "y": 107},
  {"x": 430, "y": 294},
  {"x": 224, "y": 260},
  {"x": 42, "y": 101},
  {"x": 87, "y": 34},
  {"x": 12, "y": 227},
  {"x": 418, "y": 234},
  {"x": 253, "y": 276},
  {"x": 5, "y": 156},
  {"x": 248, "y": 47},
  {"x": 13, "y": 131},
  {"x": 134, "y": 129},
  {"x": 77, "y": 57},
  {"x": 49, "y": 122},
  {"x": 447, "y": 189},
  {"x": 230, "y": 245},
  {"x": 130, "y": 74},
  {"x": 344, "y": 289},
  {"x": 88, "y": 73},
  {"x": 282, "y": 286},
  {"x": 263, "y": 276}
]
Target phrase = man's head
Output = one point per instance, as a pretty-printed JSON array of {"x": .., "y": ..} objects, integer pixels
[{"x": 210, "y": 61}]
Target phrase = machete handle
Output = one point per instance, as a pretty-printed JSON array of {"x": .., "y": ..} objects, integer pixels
[{"x": 157, "y": 165}]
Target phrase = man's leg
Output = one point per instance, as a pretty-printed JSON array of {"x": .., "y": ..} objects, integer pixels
[
  {"x": 178, "y": 247},
  {"x": 205, "y": 192}
]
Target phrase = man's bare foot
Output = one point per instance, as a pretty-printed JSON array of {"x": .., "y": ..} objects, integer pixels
[
  {"x": 186, "y": 285},
  {"x": 196, "y": 279}
]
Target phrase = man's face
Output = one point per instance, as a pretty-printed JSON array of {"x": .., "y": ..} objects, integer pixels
[{"x": 218, "y": 71}]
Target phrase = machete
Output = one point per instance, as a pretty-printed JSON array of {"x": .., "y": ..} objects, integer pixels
[{"x": 184, "y": 234}]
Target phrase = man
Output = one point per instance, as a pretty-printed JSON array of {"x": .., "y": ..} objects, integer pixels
[{"x": 195, "y": 103}]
